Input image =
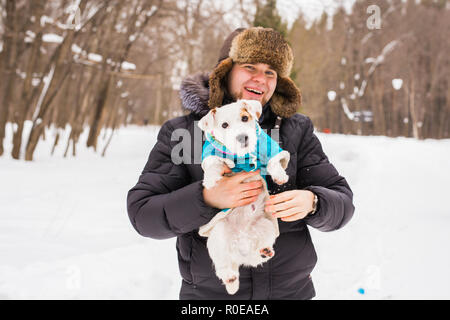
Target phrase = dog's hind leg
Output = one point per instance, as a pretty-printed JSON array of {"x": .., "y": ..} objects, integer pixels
[
  {"x": 219, "y": 251},
  {"x": 230, "y": 277},
  {"x": 266, "y": 239}
]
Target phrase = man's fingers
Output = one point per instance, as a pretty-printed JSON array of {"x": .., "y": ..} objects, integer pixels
[
  {"x": 241, "y": 176},
  {"x": 281, "y": 197},
  {"x": 251, "y": 193},
  {"x": 250, "y": 185},
  {"x": 225, "y": 169},
  {"x": 244, "y": 202},
  {"x": 294, "y": 217},
  {"x": 280, "y": 206},
  {"x": 284, "y": 213}
]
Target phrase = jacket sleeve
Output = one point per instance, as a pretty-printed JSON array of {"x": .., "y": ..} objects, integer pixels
[
  {"x": 317, "y": 174},
  {"x": 164, "y": 204}
]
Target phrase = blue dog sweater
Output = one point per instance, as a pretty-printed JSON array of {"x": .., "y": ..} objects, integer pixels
[{"x": 266, "y": 149}]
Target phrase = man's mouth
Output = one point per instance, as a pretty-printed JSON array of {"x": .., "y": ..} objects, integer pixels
[{"x": 254, "y": 91}]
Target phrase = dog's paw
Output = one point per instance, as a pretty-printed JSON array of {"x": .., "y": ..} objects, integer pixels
[
  {"x": 232, "y": 286},
  {"x": 210, "y": 182},
  {"x": 267, "y": 253},
  {"x": 230, "y": 279},
  {"x": 229, "y": 163},
  {"x": 280, "y": 179}
]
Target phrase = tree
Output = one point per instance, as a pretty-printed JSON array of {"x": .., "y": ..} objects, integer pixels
[{"x": 267, "y": 16}]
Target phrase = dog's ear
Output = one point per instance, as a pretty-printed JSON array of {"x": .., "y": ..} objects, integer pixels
[
  {"x": 207, "y": 122},
  {"x": 253, "y": 107}
]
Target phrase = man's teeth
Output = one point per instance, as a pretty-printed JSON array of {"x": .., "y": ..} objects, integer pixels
[{"x": 254, "y": 91}]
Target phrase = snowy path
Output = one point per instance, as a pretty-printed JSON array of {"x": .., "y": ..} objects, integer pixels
[{"x": 65, "y": 233}]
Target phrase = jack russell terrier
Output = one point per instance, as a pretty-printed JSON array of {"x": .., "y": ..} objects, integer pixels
[{"x": 243, "y": 235}]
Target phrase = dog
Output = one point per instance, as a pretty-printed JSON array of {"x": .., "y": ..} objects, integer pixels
[{"x": 243, "y": 235}]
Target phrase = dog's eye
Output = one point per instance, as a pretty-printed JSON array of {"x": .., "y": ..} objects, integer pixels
[
  {"x": 244, "y": 119},
  {"x": 224, "y": 125}
]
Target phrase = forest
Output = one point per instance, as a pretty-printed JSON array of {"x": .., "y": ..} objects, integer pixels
[{"x": 381, "y": 68}]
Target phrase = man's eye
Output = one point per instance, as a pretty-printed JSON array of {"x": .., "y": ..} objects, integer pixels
[
  {"x": 250, "y": 67},
  {"x": 270, "y": 73},
  {"x": 244, "y": 119},
  {"x": 224, "y": 125}
]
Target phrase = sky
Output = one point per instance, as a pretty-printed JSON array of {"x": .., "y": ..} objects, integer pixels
[
  {"x": 289, "y": 9},
  {"x": 312, "y": 9}
]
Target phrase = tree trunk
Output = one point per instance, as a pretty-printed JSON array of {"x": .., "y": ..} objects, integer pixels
[{"x": 9, "y": 62}]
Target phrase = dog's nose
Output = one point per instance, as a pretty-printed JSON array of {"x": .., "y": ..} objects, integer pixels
[{"x": 242, "y": 138}]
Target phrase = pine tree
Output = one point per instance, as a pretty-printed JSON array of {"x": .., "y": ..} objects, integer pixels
[{"x": 268, "y": 17}]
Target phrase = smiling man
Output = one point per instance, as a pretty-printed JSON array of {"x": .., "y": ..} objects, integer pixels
[
  {"x": 252, "y": 82},
  {"x": 169, "y": 199}
]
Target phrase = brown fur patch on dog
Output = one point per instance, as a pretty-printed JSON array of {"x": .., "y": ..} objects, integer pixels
[
  {"x": 244, "y": 112},
  {"x": 258, "y": 115}
]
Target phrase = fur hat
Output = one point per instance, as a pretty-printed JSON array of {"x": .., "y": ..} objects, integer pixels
[{"x": 258, "y": 45}]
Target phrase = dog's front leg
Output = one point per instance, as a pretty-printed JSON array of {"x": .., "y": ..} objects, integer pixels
[
  {"x": 277, "y": 167},
  {"x": 213, "y": 168}
]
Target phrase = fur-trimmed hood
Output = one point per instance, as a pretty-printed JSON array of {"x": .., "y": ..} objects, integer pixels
[{"x": 194, "y": 94}]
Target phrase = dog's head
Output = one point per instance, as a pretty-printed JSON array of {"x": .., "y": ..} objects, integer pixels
[{"x": 234, "y": 125}]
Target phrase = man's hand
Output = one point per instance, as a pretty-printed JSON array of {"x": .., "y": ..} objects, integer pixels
[
  {"x": 291, "y": 205},
  {"x": 231, "y": 192}
]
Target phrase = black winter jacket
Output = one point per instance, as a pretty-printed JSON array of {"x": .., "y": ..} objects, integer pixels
[{"x": 167, "y": 202}]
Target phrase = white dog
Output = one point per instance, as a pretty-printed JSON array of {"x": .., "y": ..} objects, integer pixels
[{"x": 243, "y": 235}]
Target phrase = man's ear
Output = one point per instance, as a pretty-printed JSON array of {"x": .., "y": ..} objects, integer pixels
[
  {"x": 253, "y": 107},
  {"x": 206, "y": 123}
]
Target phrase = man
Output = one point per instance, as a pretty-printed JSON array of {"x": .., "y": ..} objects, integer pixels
[{"x": 170, "y": 201}]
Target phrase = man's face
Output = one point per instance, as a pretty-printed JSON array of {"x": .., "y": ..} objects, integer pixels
[{"x": 252, "y": 82}]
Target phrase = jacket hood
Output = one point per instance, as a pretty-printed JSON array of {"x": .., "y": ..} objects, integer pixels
[{"x": 194, "y": 94}]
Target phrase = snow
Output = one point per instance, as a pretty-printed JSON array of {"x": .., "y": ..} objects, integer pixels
[
  {"x": 331, "y": 95},
  {"x": 52, "y": 38},
  {"x": 382, "y": 57},
  {"x": 76, "y": 49},
  {"x": 45, "y": 19},
  {"x": 35, "y": 82},
  {"x": 65, "y": 232},
  {"x": 95, "y": 57},
  {"x": 128, "y": 66},
  {"x": 397, "y": 84},
  {"x": 29, "y": 36},
  {"x": 47, "y": 81},
  {"x": 347, "y": 111}
]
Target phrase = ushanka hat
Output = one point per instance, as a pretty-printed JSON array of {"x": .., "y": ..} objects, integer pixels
[{"x": 257, "y": 45}]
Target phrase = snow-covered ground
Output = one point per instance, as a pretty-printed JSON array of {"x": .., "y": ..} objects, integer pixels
[{"x": 65, "y": 233}]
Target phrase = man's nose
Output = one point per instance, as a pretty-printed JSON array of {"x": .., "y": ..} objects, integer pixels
[{"x": 260, "y": 77}]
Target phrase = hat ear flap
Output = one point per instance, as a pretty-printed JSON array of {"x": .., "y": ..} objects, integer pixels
[
  {"x": 216, "y": 83},
  {"x": 286, "y": 99}
]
